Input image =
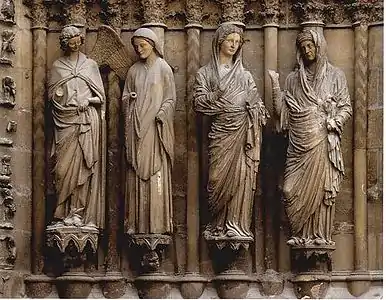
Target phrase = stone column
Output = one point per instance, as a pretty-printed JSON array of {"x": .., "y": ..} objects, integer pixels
[
  {"x": 271, "y": 281},
  {"x": 357, "y": 286},
  {"x": 193, "y": 284},
  {"x": 154, "y": 17},
  {"x": 38, "y": 285},
  {"x": 113, "y": 285}
]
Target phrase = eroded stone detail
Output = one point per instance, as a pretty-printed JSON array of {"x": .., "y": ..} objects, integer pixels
[
  {"x": 271, "y": 13},
  {"x": 150, "y": 247},
  {"x": 7, "y": 48},
  {"x": 7, "y": 252},
  {"x": 9, "y": 92},
  {"x": 8, "y": 12},
  {"x": 11, "y": 126},
  {"x": 153, "y": 11}
]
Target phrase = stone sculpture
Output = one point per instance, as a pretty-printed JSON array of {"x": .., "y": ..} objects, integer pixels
[
  {"x": 8, "y": 11},
  {"x": 7, "y": 47},
  {"x": 77, "y": 99},
  {"x": 76, "y": 94},
  {"x": 227, "y": 92},
  {"x": 149, "y": 99},
  {"x": 9, "y": 92},
  {"x": 313, "y": 108}
]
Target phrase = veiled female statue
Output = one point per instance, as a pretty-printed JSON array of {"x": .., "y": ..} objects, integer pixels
[
  {"x": 227, "y": 92},
  {"x": 313, "y": 108},
  {"x": 149, "y": 99},
  {"x": 76, "y": 95}
]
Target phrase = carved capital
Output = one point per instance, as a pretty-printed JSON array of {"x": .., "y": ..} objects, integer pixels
[
  {"x": 365, "y": 11},
  {"x": 194, "y": 11},
  {"x": 153, "y": 11},
  {"x": 271, "y": 12},
  {"x": 232, "y": 11},
  {"x": 111, "y": 12},
  {"x": 39, "y": 15},
  {"x": 73, "y": 12},
  {"x": 311, "y": 10}
]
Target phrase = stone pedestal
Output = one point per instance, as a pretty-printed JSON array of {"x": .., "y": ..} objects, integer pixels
[
  {"x": 75, "y": 246},
  {"x": 152, "y": 282},
  {"x": 312, "y": 268},
  {"x": 227, "y": 254}
]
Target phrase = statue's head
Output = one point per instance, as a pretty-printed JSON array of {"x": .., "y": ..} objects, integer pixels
[
  {"x": 306, "y": 44},
  {"x": 229, "y": 38},
  {"x": 71, "y": 39},
  {"x": 145, "y": 42}
]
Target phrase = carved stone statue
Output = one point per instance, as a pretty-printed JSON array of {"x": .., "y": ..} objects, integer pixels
[
  {"x": 149, "y": 99},
  {"x": 76, "y": 94},
  {"x": 313, "y": 108},
  {"x": 227, "y": 92}
]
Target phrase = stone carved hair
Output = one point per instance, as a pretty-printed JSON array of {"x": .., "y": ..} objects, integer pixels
[
  {"x": 69, "y": 32},
  {"x": 226, "y": 29}
]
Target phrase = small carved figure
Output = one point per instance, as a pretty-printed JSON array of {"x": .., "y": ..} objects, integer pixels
[
  {"x": 149, "y": 99},
  {"x": 8, "y": 11},
  {"x": 9, "y": 91},
  {"x": 11, "y": 126},
  {"x": 313, "y": 108},
  {"x": 77, "y": 95},
  {"x": 227, "y": 92},
  {"x": 7, "y": 46},
  {"x": 6, "y": 165}
]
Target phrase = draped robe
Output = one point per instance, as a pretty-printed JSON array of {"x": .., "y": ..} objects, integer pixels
[
  {"x": 77, "y": 146},
  {"x": 314, "y": 163},
  {"x": 149, "y": 147},
  {"x": 234, "y": 144}
]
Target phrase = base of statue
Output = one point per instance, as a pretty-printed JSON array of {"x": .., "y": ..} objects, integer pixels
[
  {"x": 72, "y": 246},
  {"x": 38, "y": 286},
  {"x": 312, "y": 266},
  {"x": 156, "y": 285},
  {"x": 232, "y": 284},
  {"x": 74, "y": 285},
  {"x": 229, "y": 257},
  {"x": 150, "y": 247}
]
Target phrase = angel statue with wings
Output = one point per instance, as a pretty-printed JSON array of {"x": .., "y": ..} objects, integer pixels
[{"x": 148, "y": 105}]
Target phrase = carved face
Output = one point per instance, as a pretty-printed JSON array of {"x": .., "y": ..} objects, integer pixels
[
  {"x": 142, "y": 47},
  {"x": 74, "y": 44},
  {"x": 231, "y": 44},
  {"x": 308, "y": 50}
]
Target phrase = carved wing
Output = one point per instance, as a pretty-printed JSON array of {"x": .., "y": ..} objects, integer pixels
[{"x": 110, "y": 50}]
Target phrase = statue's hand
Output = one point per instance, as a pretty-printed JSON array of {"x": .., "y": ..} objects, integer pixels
[
  {"x": 331, "y": 125},
  {"x": 159, "y": 117},
  {"x": 274, "y": 76},
  {"x": 83, "y": 105}
]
